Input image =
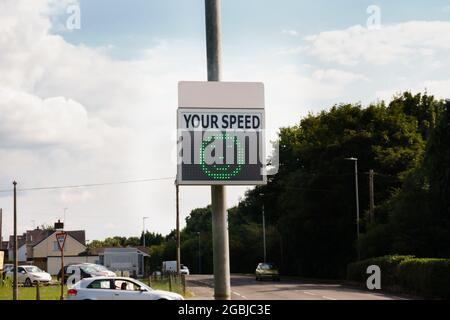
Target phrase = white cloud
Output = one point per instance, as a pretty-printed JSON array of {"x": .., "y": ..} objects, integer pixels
[
  {"x": 403, "y": 42},
  {"x": 69, "y": 114},
  {"x": 290, "y": 32},
  {"x": 439, "y": 88},
  {"x": 337, "y": 76}
]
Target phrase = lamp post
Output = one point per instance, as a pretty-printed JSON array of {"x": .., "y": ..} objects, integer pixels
[
  {"x": 143, "y": 229},
  {"x": 264, "y": 228},
  {"x": 355, "y": 160}
]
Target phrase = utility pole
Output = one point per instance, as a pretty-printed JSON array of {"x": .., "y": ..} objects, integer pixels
[
  {"x": 16, "y": 265},
  {"x": 199, "y": 255},
  {"x": 222, "y": 289},
  {"x": 143, "y": 230},
  {"x": 177, "y": 189},
  {"x": 371, "y": 196},
  {"x": 264, "y": 233}
]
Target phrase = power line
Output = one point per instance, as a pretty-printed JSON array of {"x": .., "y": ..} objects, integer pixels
[{"x": 90, "y": 185}]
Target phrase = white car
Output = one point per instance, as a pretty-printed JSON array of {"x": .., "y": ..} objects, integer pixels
[
  {"x": 117, "y": 288},
  {"x": 28, "y": 275},
  {"x": 184, "y": 270}
]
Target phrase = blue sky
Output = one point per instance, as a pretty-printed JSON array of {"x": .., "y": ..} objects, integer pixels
[{"x": 136, "y": 24}]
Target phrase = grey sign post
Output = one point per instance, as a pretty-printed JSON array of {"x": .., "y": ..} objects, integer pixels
[{"x": 220, "y": 141}]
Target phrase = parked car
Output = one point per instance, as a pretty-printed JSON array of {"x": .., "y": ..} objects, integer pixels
[
  {"x": 28, "y": 275},
  {"x": 85, "y": 270},
  {"x": 267, "y": 270},
  {"x": 184, "y": 270},
  {"x": 6, "y": 268},
  {"x": 117, "y": 288}
]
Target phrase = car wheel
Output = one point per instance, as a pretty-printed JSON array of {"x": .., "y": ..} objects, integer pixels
[{"x": 28, "y": 283}]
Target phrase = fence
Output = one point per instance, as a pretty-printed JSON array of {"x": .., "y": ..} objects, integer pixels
[{"x": 172, "y": 282}]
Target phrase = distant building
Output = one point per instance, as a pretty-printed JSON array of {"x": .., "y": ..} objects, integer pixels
[
  {"x": 21, "y": 249},
  {"x": 39, "y": 245},
  {"x": 130, "y": 259}
]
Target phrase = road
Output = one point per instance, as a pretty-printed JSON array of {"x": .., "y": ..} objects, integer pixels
[{"x": 246, "y": 288}]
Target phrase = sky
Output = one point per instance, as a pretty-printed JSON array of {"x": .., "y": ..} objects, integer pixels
[{"x": 98, "y": 103}]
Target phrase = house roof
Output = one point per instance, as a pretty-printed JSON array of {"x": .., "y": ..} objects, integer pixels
[
  {"x": 97, "y": 251},
  {"x": 4, "y": 245},
  {"x": 20, "y": 241},
  {"x": 78, "y": 235}
]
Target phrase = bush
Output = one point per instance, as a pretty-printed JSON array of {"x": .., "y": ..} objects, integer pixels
[
  {"x": 429, "y": 278},
  {"x": 356, "y": 271}
]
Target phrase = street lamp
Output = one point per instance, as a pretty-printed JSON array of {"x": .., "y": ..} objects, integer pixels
[
  {"x": 143, "y": 229},
  {"x": 264, "y": 228},
  {"x": 199, "y": 255},
  {"x": 355, "y": 160}
]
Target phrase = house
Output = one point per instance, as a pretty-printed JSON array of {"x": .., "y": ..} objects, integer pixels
[
  {"x": 21, "y": 249},
  {"x": 131, "y": 259},
  {"x": 4, "y": 248},
  {"x": 48, "y": 247}
]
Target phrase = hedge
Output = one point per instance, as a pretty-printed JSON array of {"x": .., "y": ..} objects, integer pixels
[
  {"x": 388, "y": 264},
  {"x": 429, "y": 278}
]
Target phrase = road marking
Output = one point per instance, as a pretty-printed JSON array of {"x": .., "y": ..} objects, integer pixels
[
  {"x": 238, "y": 294},
  {"x": 328, "y": 298},
  {"x": 310, "y": 293}
]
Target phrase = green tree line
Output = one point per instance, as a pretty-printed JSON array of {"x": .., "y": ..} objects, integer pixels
[{"x": 310, "y": 203}]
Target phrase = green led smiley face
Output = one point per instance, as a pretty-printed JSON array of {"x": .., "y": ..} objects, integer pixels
[{"x": 222, "y": 171}]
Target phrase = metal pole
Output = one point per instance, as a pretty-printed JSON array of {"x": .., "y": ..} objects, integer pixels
[
  {"x": 221, "y": 258},
  {"x": 143, "y": 230},
  {"x": 357, "y": 207},
  {"x": 16, "y": 265},
  {"x": 62, "y": 274},
  {"x": 371, "y": 195},
  {"x": 264, "y": 233},
  {"x": 178, "y": 228},
  {"x": 199, "y": 255}
]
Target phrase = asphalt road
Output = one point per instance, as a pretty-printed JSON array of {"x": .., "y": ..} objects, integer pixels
[{"x": 247, "y": 288}]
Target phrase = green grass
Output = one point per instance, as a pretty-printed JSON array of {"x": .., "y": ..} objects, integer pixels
[
  {"x": 164, "y": 285},
  {"x": 54, "y": 292},
  {"x": 47, "y": 293}
]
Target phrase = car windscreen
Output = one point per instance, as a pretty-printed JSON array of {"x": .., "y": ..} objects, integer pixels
[
  {"x": 32, "y": 269},
  {"x": 89, "y": 269},
  {"x": 268, "y": 266},
  {"x": 99, "y": 267}
]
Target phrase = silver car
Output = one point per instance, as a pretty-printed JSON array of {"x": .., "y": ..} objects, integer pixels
[
  {"x": 117, "y": 288},
  {"x": 28, "y": 275}
]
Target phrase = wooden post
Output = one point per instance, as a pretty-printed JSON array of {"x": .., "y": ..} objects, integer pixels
[
  {"x": 149, "y": 281},
  {"x": 38, "y": 291},
  {"x": 183, "y": 283},
  {"x": 170, "y": 282}
]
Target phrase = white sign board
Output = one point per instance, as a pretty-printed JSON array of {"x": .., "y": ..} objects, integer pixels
[
  {"x": 221, "y": 138},
  {"x": 2, "y": 259}
]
